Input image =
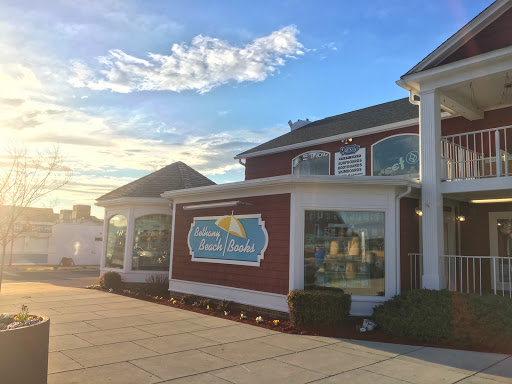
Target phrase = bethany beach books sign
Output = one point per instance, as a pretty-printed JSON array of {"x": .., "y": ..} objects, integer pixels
[
  {"x": 350, "y": 161},
  {"x": 235, "y": 239}
]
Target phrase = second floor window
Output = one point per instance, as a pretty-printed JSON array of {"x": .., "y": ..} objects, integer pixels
[
  {"x": 396, "y": 156},
  {"x": 312, "y": 163}
]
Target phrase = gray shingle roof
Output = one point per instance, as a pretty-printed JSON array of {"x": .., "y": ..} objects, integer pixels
[
  {"x": 382, "y": 114},
  {"x": 170, "y": 178}
]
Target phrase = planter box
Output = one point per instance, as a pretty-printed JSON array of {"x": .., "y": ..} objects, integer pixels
[{"x": 24, "y": 354}]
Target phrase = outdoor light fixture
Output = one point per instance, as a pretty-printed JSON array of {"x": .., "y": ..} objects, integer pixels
[
  {"x": 419, "y": 212},
  {"x": 221, "y": 204},
  {"x": 346, "y": 141},
  {"x": 461, "y": 218},
  {"x": 482, "y": 201}
]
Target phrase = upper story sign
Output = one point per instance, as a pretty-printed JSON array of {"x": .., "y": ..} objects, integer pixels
[
  {"x": 350, "y": 161},
  {"x": 240, "y": 239}
]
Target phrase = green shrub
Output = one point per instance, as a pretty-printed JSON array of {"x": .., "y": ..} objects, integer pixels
[
  {"x": 482, "y": 320},
  {"x": 319, "y": 306},
  {"x": 189, "y": 299},
  {"x": 111, "y": 280},
  {"x": 224, "y": 305},
  {"x": 424, "y": 315},
  {"x": 492, "y": 312},
  {"x": 443, "y": 317},
  {"x": 157, "y": 285}
]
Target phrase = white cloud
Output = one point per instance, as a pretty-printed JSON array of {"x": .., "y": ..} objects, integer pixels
[
  {"x": 201, "y": 66},
  {"x": 84, "y": 97},
  {"x": 102, "y": 147}
]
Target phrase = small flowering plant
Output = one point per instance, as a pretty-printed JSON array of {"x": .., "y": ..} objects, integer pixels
[
  {"x": 22, "y": 319},
  {"x": 259, "y": 319},
  {"x": 226, "y": 313},
  {"x": 276, "y": 322},
  {"x": 243, "y": 316}
]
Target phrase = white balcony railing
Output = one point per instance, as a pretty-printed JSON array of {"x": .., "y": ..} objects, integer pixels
[
  {"x": 469, "y": 274},
  {"x": 480, "y": 274},
  {"x": 416, "y": 270},
  {"x": 476, "y": 155}
]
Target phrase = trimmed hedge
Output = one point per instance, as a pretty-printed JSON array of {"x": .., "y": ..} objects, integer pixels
[
  {"x": 111, "y": 280},
  {"x": 423, "y": 315},
  {"x": 319, "y": 306},
  {"x": 443, "y": 317}
]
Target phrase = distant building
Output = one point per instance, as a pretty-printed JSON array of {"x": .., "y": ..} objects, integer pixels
[{"x": 44, "y": 237}]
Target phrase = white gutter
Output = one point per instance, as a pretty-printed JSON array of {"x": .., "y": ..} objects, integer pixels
[
  {"x": 291, "y": 180},
  {"x": 397, "y": 235},
  {"x": 130, "y": 201}
]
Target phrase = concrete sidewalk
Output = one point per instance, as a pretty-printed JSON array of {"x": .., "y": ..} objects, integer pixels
[{"x": 98, "y": 337}]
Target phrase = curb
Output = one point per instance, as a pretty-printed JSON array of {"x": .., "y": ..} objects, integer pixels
[{"x": 53, "y": 268}]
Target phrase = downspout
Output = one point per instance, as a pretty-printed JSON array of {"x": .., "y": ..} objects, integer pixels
[
  {"x": 242, "y": 164},
  {"x": 412, "y": 100},
  {"x": 397, "y": 235}
]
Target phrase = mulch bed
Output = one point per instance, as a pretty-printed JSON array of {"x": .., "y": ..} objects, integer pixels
[{"x": 349, "y": 330}]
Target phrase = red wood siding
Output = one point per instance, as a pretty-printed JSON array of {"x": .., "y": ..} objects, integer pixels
[
  {"x": 475, "y": 242},
  {"x": 279, "y": 164},
  {"x": 409, "y": 238},
  {"x": 492, "y": 119},
  {"x": 475, "y": 230},
  {"x": 270, "y": 276},
  {"x": 495, "y": 36}
]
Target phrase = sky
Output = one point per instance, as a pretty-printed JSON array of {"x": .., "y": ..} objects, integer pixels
[{"x": 127, "y": 87}]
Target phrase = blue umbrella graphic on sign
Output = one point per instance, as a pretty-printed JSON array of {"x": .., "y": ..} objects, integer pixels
[{"x": 232, "y": 226}]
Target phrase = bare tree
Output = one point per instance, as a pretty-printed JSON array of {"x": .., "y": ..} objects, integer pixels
[{"x": 23, "y": 183}]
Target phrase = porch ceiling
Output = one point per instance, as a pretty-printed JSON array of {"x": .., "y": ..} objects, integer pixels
[
  {"x": 483, "y": 93},
  {"x": 477, "y": 195}
]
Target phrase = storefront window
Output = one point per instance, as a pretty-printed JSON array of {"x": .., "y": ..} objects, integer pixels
[
  {"x": 312, "y": 163},
  {"x": 152, "y": 243},
  {"x": 397, "y": 155},
  {"x": 116, "y": 240},
  {"x": 345, "y": 249}
]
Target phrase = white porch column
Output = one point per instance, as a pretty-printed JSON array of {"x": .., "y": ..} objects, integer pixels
[
  {"x": 432, "y": 200},
  {"x": 130, "y": 236}
]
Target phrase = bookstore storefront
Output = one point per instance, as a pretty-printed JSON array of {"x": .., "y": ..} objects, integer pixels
[{"x": 318, "y": 231}]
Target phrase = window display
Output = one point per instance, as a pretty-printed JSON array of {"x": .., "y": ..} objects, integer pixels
[
  {"x": 116, "y": 239},
  {"x": 345, "y": 249},
  {"x": 152, "y": 243}
]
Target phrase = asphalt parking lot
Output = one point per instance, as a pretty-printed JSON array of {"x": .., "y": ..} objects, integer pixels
[{"x": 76, "y": 278}]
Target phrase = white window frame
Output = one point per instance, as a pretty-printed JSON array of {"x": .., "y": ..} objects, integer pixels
[{"x": 314, "y": 150}]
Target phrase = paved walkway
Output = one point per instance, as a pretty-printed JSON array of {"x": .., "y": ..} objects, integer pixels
[{"x": 98, "y": 337}]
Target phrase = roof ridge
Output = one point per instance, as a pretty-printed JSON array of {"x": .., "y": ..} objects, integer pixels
[
  {"x": 184, "y": 174},
  {"x": 349, "y": 123}
]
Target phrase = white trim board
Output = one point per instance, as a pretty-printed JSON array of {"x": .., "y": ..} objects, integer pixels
[
  {"x": 267, "y": 300},
  {"x": 279, "y": 184}
]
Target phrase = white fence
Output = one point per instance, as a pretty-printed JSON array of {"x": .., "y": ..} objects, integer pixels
[
  {"x": 469, "y": 274},
  {"x": 476, "y": 155},
  {"x": 480, "y": 274},
  {"x": 416, "y": 270}
]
